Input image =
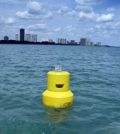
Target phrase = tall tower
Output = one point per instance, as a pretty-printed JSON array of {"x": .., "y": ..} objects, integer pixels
[{"x": 22, "y": 34}]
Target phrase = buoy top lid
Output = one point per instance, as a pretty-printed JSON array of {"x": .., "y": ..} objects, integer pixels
[
  {"x": 58, "y": 68},
  {"x": 59, "y": 73}
]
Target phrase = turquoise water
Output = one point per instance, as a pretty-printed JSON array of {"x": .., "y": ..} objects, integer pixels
[{"x": 95, "y": 81}]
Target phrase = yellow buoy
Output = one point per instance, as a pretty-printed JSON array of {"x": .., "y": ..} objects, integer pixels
[{"x": 58, "y": 93}]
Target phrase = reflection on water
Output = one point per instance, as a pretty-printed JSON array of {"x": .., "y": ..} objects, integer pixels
[{"x": 57, "y": 115}]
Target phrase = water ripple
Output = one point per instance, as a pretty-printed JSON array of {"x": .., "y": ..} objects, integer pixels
[{"x": 95, "y": 81}]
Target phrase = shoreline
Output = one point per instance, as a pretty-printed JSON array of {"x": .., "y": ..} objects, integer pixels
[{"x": 13, "y": 42}]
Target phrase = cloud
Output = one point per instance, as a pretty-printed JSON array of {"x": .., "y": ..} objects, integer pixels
[
  {"x": 113, "y": 26},
  {"x": 107, "y": 30},
  {"x": 37, "y": 27},
  {"x": 7, "y": 21},
  {"x": 84, "y": 8},
  {"x": 35, "y": 10},
  {"x": 24, "y": 15},
  {"x": 72, "y": 13},
  {"x": 87, "y": 2},
  {"x": 58, "y": 29},
  {"x": 34, "y": 7},
  {"x": 69, "y": 29},
  {"x": 86, "y": 13},
  {"x": 96, "y": 17},
  {"x": 63, "y": 10},
  {"x": 27, "y": 15},
  {"x": 86, "y": 5},
  {"x": 105, "y": 17},
  {"x": 110, "y": 9}
]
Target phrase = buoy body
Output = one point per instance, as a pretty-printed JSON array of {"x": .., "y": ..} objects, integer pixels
[{"x": 58, "y": 93}]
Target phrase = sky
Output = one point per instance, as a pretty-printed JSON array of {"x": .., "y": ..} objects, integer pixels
[{"x": 98, "y": 20}]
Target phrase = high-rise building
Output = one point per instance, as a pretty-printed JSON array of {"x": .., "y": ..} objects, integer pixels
[
  {"x": 62, "y": 41},
  {"x": 6, "y": 38},
  {"x": 17, "y": 38},
  {"x": 88, "y": 42},
  {"x": 28, "y": 37},
  {"x": 22, "y": 34},
  {"x": 73, "y": 42},
  {"x": 91, "y": 43},
  {"x": 98, "y": 44},
  {"x": 83, "y": 41},
  {"x": 34, "y": 38},
  {"x": 31, "y": 37},
  {"x": 50, "y": 40}
]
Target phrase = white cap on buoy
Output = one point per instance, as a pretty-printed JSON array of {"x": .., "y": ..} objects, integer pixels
[{"x": 58, "y": 68}]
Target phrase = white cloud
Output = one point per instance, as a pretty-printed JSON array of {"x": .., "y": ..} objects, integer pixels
[
  {"x": 87, "y": 2},
  {"x": 105, "y": 17},
  {"x": 69, "y": 28},
  {"x": 7, "y": 21},
  {"x": 113, "y": 26},
  {"x": 98, "y": 27},
  {"x": 96, "y": 17},
  {"x": 107, "y": 30},
  {"x": 37, "y": 27},
  {"x": 23, "y": 15},
  {"x": 48, "y": 15},
  {"x": 111, "y": 9},
  {"x": 34, "y": 7},
  {"x": 57, "y": 29},
  {"x": 86, "y": 5},
  {"x": 84, "y": 8},
  {"x": 63, "y": 10},
  {"x": 35, "y": 10},
  {"x": 87, "y": 15},
  {"x": 72, "y": 13}
]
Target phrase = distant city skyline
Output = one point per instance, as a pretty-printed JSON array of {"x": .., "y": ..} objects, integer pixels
[
  {"x": 22, "y": 36},
  {"x": 98, "y": 20}
]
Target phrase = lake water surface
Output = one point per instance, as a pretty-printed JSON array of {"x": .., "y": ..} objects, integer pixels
[{"x": 95, "y": 81}]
